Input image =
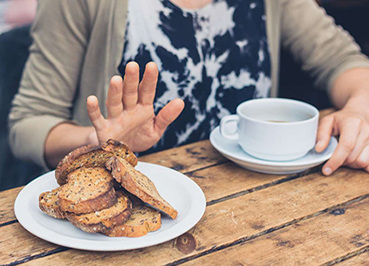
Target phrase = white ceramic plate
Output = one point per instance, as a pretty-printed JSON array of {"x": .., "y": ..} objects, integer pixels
[
  {"x": 180, "y": 191},
  {"x": 231, "y": 150}
]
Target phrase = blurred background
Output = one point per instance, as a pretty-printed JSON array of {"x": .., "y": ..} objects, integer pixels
[{"x": 17, "y": 15}]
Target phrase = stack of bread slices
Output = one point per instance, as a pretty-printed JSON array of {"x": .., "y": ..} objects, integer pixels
[{"x": 101, "y": 192}]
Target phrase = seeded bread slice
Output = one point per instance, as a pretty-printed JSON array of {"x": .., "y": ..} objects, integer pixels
[
  {"x": 92, "y": 156},
  {"x": 142, "y": 221},
  {"x": 139, "y": 185},
  {"x": 102, "y": 220},
  {"x": 49, "y": 204},
  {"x": 88, "y": 190}
]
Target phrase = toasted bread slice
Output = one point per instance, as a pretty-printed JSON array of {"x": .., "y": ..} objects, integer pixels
[
  {"x": 88, "y": 190},
  {"x": 92, "y": 156},
  {"x": 49, "y": 203},
  {"x": 102, "y": 220},
  {"x": 139, "y": 185},
  {"x": 119, "y": 149},
  {"x": 142, "y": 221}
]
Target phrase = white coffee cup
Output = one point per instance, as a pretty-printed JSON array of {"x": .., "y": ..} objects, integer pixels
[{"x": 273, "y": 129}]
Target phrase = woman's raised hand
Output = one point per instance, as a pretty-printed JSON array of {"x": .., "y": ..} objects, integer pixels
[{"x": 131, "y": 116}]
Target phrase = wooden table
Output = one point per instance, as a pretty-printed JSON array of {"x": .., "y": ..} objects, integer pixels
[{"x": 250, "y": 219}]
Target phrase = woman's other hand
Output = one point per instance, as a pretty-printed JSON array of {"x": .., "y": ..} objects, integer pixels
[
  {"x": 351, "y": 124},
  {"x": 131, "y": 116},
  {"x": 350, "y": 93}
]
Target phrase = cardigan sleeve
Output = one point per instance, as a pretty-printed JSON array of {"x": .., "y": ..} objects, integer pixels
[
  {"x": 324, "y": 49},
  {"x": 51, "y": 76}
]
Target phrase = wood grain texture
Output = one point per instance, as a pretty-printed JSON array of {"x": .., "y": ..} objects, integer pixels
[
  {"x": 229, "y": 179},
  {"x": 7, "y": 199},
  {"x": 311, "y": 242},
  {"x": 360, "y": 260},
  {"x": 246, "y": 217},
  {"x": 187, "y": 158},
  {"x": 17, "y": 244},
  {"x": 213, "y": 181}
]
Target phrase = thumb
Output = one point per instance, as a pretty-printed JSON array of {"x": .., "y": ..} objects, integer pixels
[{"x": 168, "y": 114}]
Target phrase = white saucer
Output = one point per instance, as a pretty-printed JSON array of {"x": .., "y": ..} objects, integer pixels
[{"x": 231, "y": 150}]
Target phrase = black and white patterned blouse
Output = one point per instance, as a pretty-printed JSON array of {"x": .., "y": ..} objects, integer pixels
[{"x": 213, "y": 58}]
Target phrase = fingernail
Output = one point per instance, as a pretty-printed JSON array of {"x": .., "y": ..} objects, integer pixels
[{"x": 327, "y": 171}]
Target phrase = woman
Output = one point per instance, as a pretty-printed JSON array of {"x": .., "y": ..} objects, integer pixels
[{"x": 212, "y": 54}]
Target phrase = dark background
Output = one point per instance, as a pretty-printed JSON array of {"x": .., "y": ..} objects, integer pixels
[{"x": 352, "y": 15}]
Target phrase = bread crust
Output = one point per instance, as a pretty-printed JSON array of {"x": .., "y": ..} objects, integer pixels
[
  {"x": 111, "y": 145},
  {"x": 51, "y": 208},
  {"x": 136, "y": 229},
  {"x": 122, "y": 172},
  {"x": 103, "y": 225},
  {"x": 85, "y": 180},
  {"x": 92, "y": 156},
  {"x": 99, "y": 203},
  {"x": 64, "y": 166}
]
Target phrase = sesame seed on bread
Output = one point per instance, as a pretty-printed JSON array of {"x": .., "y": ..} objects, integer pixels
[
  {"x": 99, "y": 221},
  {"x": 139, "y": 185},
  {"x": 92, "y": 156},
  {"x": 102, "y": 192},
  {"x": 88, "y": 190},
  {"x": 49, "y": 204},
  {"x": 142, "y": 221}
]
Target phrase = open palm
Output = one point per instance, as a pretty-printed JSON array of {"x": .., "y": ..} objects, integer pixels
[{"x": 131, "y": 116}]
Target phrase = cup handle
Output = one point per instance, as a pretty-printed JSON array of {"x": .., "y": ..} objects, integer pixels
[{"x": 224, "y": 121}]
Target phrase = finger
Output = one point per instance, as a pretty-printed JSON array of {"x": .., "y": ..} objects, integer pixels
[
  {"x": 348, "y": 137},
  {"x": 359, "y": 147},
  {"x": 168, "y": 114},
  {"x": 114, "y": 101},
  {"x": 130, "y": 86},
  {"x": 146, "y": 92},
  {"x": 324, "y": 133},
  {"x": 367, "y": 169},
  {"x": 362, "y": 162},
  {"x": 94, "y": 113}
]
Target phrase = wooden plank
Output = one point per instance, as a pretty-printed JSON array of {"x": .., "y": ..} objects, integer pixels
[
  {"x": 7, "y": 199},
  {"x": 228, "y": 179},
  {"x": 17, "y": 244},
  {"x": 311, "y": 242},
  {"x": 247, "y": 216},
  {"x": 212, "y": 180},
  {"x": 187, "y": 158},
  {"x": 360, "y": 260}
]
